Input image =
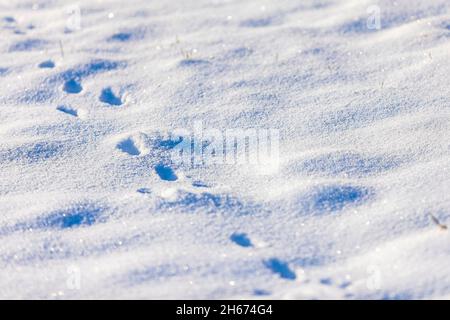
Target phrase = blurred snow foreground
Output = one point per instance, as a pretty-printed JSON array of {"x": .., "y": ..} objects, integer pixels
[{"x": 93, "y": 205}]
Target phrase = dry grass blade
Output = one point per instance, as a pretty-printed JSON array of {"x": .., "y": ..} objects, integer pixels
[{"x": 438, "y": 223}]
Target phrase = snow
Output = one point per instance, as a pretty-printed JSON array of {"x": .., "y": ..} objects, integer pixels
[{"x": 92, "y": 204}]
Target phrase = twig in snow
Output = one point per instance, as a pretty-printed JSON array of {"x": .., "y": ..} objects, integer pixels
[
  {"x": 187, "y": 55},
  {"x": 437, "y": 222},
  {"x": 61, "y": 48}
]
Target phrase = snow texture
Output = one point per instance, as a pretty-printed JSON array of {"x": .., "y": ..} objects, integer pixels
[{"x": 92, "y": 207}]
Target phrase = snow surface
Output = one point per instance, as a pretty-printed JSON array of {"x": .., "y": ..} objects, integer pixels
[{"x": 91, "y": 207}]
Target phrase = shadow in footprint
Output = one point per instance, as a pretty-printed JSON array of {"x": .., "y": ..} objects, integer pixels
[
  {"x": 144, "y": 190},
  {"x": 47, "y": 64},
  {"x": 335, "y": 198},
  {"x": 68, "y": 110},
  {"x": 108, "y": 96},
  {"x": 128, "y": 35},
  {"x": 83, "y": 215},
  {"x": 241, "y": 239},
  {"x": 167, "y": 144},
  {"x": 281, "y": 268},
  {"x": 166, "y": 173},
  {"x": 72, "y": 86},
  {"x": 121, "y": 37},
  {"x": 261, "y": 292},
  {"x": 129, "y": 147},
  {"x": 199, "y": 184}
]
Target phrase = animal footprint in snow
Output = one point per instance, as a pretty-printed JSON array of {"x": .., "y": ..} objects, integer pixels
[
  {"x": 81, "y": 215},
  {"x": 134, "y": 145},
  {"x": 128, "y": 35},
  {"x": 261, "y": 292},
  {"x": 281, "y": 268},
  {"x": 337, "y": 197},
  {"x": 165, "y": 172},
  {"x": 199, "y": 184},
  {"x": 144, "y": 190},
  {"x": 72, "y": 86},
  {"x": 241, "y": 239},
  {"x": 108, "y": 96},
  {"x": 80, "y": 113},
  {"x": 49, "y": 64},
  {"x": 68, "y": 110}
]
